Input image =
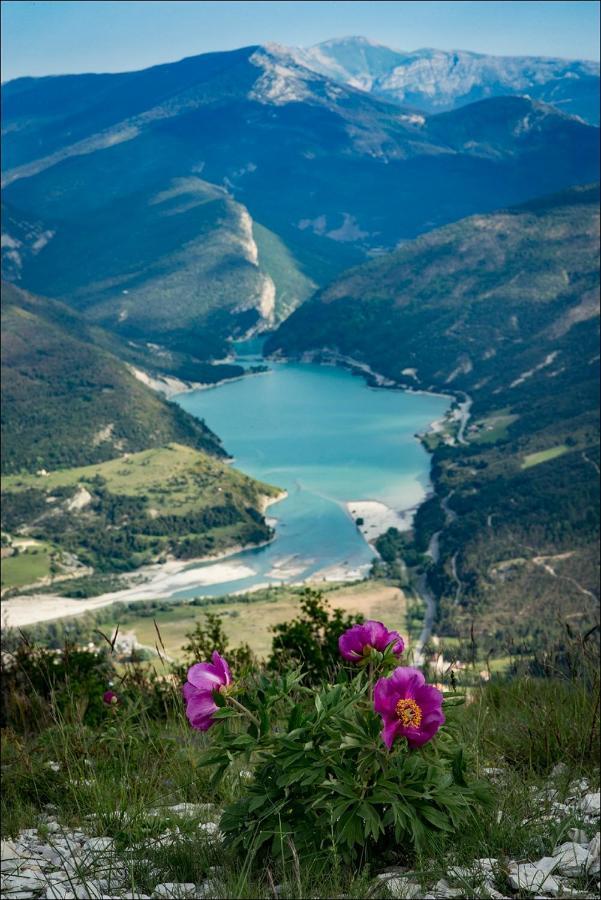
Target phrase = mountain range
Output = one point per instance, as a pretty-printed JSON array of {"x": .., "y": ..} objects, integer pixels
[
  {"x": 190, "y": 202},
  {"x": 439, "y": 80}
]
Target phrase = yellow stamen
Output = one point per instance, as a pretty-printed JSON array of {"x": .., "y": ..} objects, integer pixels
[{"x": 409, "y": 713}]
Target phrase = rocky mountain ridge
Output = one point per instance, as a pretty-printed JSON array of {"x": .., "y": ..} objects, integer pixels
[
  {"x": 169, "y": 190},
  {"x": 439, "y": 80}
]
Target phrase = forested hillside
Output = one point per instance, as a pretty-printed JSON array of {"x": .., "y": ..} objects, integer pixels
[
  {"x": 68, "y": 401},
  {"x": 502, "y": 308}
]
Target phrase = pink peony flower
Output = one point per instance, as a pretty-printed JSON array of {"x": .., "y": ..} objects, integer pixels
[
  {"x": 204, "y": 679},
  {"x": 409, "y": 707},
  {"x": 110, "y": 698},
  {"x": 357, "y": 642}
]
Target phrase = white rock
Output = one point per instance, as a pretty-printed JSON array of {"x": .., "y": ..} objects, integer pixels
[
  {"x": 486, "y": 863},
  {"x": 20, "y": 895},
  {"x": 211, "y": 889},
  {"x": 534, "y": 877},
  {"x": 592, "y": 861},
  {"x": 175, "y": 889},
  {"x": 559, "y": 769},
  {"x": 570, "y": 858},
  {"x": 442, "y": 889},
  {"x": 13, "y": 883},
  {"x": 30, "y": 872},
  {"x": 211, "y": 829},
  {"x": 479, "y": 867},
  {"x": 8, "y": 850},
  {"x": 400, "y": 886},
  {"x": 11, "y": 857},
  {"x": 492, "y": 892},
  {"x": 578, "y": 836},
  {"x": 590, "y": 804},
  {"x": 460, "y": 872},
  {"x": 580, "y": 786},
  {"x": 99, "y": 844}
]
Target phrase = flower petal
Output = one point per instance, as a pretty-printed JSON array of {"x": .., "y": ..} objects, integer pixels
[
  {"x": 390, "y": 732},
  {"x": 407, "y": 681},
  {"x": 205, "y": 677},
  {"x": 429, "y": 699},
  {"x": 399, "y": 644},
  {"x": 222, "y": 668},
  {"x": 426, "y": 731},
  {"x": 200, "y": 707},
  {"x": 351, "y": 643},
  {"x": 376, "y": 634},
  {"x": 385, "y": 698}
]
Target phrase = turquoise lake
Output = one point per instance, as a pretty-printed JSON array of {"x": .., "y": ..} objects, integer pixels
[{"x": 328, "y": 439}]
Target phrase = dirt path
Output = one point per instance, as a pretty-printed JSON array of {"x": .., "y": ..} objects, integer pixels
[
  {"x": 543, "y": 562},
  {"x": 465, "y": 408},
  {"x": 592, "y": 462}
]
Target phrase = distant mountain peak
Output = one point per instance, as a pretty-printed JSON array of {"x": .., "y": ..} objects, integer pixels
[
  {"x": 436, "y": 80},
  {"x": 359, "y": 40}
]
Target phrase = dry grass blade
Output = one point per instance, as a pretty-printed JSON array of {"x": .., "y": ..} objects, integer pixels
[
  {"x": 110, "y": 641},
  {"x": 156, "y": 628}
]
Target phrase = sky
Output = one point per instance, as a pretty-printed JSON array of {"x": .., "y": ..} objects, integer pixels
[{"x": 50, "y": 38}]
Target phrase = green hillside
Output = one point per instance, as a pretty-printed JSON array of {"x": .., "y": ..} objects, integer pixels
[
  {"x": 503, "y": 308},
  {"x": 135, "y": 509},
  {"x": 68, "y": 401},
  {"x": 98, "y": 466}
]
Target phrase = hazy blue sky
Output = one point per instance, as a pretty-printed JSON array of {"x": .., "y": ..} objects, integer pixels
[{"x": 48, "y": 37}]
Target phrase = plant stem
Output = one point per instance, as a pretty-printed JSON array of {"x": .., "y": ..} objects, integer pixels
[{"x": 244, "y": 711}]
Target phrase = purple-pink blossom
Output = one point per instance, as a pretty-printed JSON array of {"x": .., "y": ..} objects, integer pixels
[
  {"x": 110, "y": 698},
  {"x": 409, "y": 707},
  {"x": 357, "y": 642},
  {"x": 204, "y": 680}
]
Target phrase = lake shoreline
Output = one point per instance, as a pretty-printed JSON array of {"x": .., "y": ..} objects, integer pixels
[
  {"x": 163, "y": 576},
  {"x": 170, "y": 387},
  {"x": 380, "y": 520},
  {"x": 162, "y": 581}
]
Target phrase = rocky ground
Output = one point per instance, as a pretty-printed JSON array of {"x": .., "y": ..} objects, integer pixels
[{"x": 58, "y": 863}]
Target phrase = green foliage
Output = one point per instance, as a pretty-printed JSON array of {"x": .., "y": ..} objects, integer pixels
[
  {"x": 429, "y": 518},
  {"x": 55, "y": 369},
  {"x": 326, "y": 782},
  {"x": 394, "y": 545},
  {"x": 209, "y": 636},
  {"x": 119, "y": 774},
  {"x": 72, "y": 680},
  {"x": 166, "y": 500},
  {"x": 311, "y": 639}
]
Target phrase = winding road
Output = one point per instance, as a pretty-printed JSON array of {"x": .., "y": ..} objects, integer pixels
[{"x": 422, "y": 588}]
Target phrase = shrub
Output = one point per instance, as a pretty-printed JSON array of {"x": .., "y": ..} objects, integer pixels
[
  {"x": 311, "y": 639},
  {"x": 326, "y": 775}
]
